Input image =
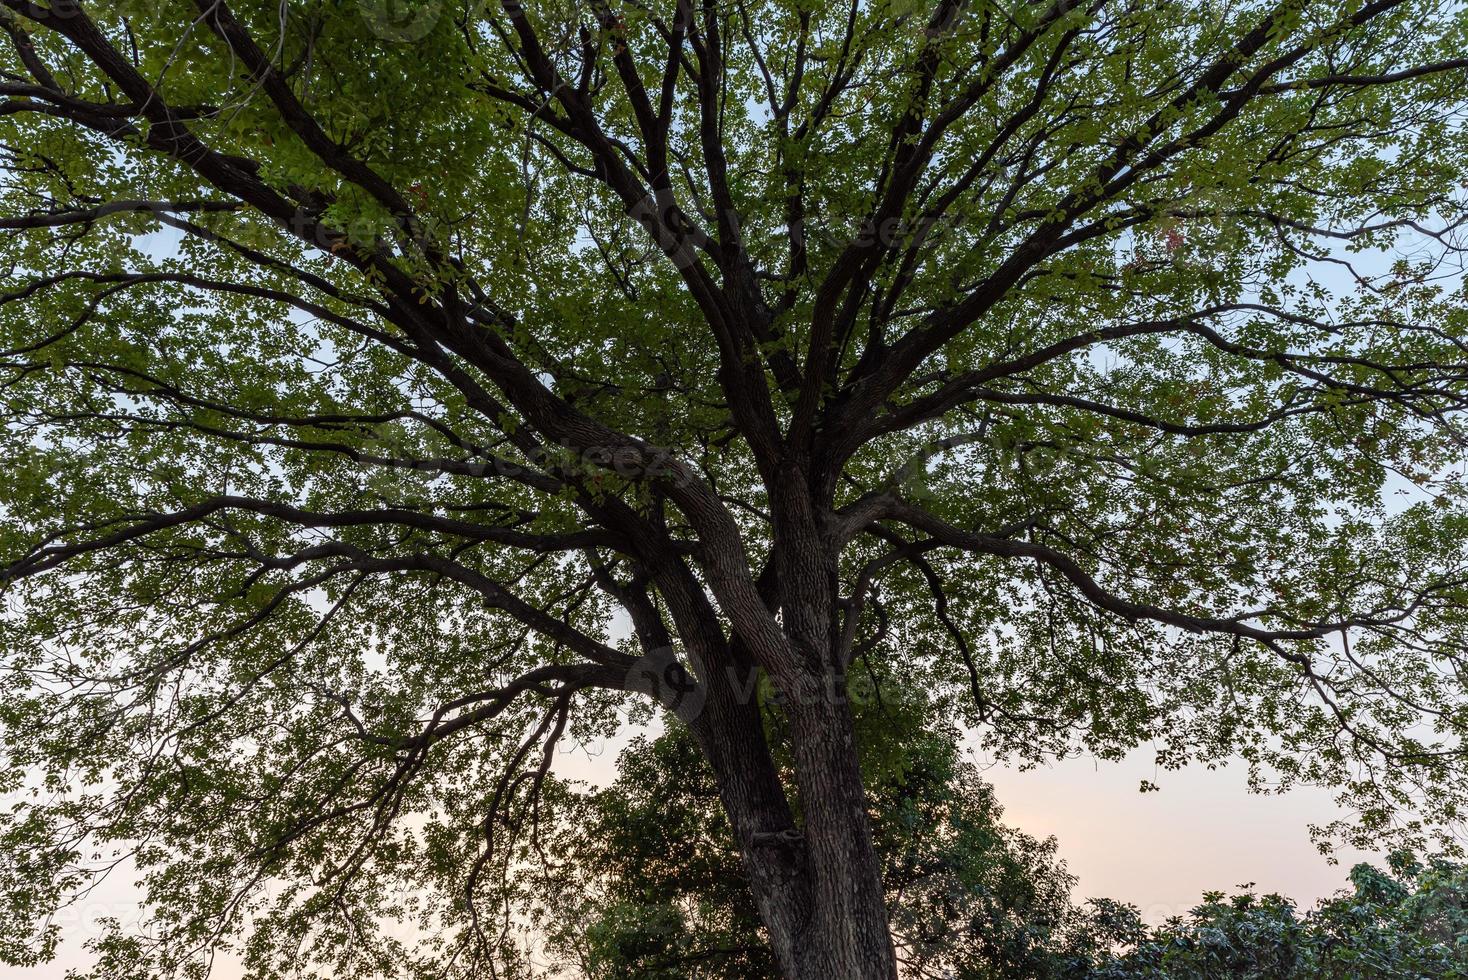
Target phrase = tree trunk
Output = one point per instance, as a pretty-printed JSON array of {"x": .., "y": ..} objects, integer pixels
[
  {"x": 818, "y": 887},
  {"x": 849, "y": 935},
  {"x": 732, "y": 736}
]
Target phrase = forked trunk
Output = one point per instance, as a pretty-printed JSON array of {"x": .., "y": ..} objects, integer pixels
[{"x": 818, "y": 886}]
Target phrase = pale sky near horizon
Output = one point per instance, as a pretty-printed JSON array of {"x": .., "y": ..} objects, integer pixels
[{"x": 1160, "y": 851}]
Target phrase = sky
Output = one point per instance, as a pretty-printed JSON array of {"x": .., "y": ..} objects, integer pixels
[
  {"x": 1160, "y": 851},
  {"x": 1203, "y": 830}
]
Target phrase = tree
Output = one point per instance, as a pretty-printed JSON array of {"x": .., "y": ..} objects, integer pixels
[
  {"x": 366, "y": 368},
  {"x": 638, "y": 880},
  {"x": 1409, "y": 922}
]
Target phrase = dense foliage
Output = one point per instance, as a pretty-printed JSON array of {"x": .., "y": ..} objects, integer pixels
[
  {"x": 1409, "y": 922},
  {"x": 393, "y": 393}
]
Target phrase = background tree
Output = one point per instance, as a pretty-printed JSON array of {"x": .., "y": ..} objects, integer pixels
[
  {"x": 1409, "y": 921},
  {"x": 639, "y": 879},
  {"x": 361, "y": 370},
  {"x": 650, "y": 888}
]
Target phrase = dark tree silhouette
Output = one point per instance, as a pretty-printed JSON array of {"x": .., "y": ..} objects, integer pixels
[{"x": 392, "y": 393}]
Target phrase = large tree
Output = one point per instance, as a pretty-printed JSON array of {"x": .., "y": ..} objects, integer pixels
[{"x": 393, "y": 393}]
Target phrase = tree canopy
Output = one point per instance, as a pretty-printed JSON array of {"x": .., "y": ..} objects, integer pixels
[{"x": 392, "y": 393}]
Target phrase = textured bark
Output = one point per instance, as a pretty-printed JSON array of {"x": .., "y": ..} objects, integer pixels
[
  {"x": 759, "y": 814},
  {"x": 849, "y": 935},
  {"x": 818, "y": 886}
]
